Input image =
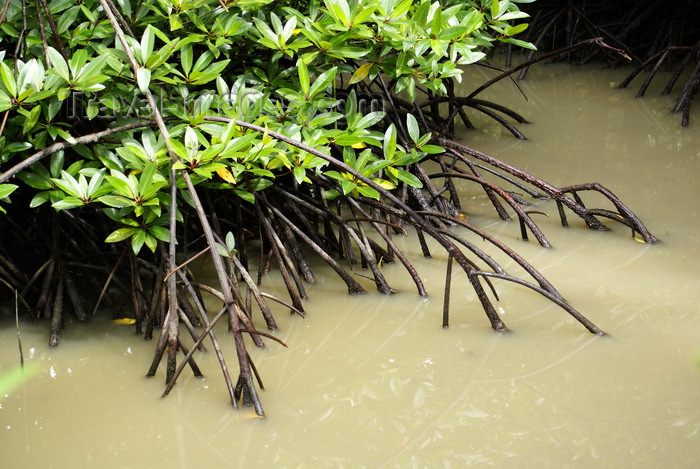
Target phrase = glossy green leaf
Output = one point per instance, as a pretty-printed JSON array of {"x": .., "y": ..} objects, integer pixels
[
  {"x": 138, "y": 238},
  {"x": 8, "y": 79},
  {"x": 58, "y": 64},
  {"x": 513, "y": 30},
  {"x": 116, "y": 201},
  {"x": 323, "y": 80},
  {"x": 67, "y": 203},
  {"x": 412, "y": 127},
  {"x": 389, "y": 145},
  {"x": 304, "y": 80},
  {"x": 143, "y": 79},
  {"x": 147, "y": 42},
  {"x": 408, "y": 178},
  {"x": 120, "y": 235},
  {"x": 7, "y": 189}
]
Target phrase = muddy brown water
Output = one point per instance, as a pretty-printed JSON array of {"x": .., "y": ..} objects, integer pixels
[{"x": 374, "y": 381}]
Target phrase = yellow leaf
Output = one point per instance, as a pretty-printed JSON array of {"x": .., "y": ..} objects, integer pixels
[
  {"x": 226, "y": 175},
  {"x": 384, "y": 184},
  {"x": 124, "y": 321},
  {"x": 361, "y": 73},
  {"x": 359, "y": 145}
]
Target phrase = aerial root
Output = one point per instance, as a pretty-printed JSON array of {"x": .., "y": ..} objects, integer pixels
[{"x": 574, "y": 203}]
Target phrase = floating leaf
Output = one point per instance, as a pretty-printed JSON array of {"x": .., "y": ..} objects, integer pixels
[{"x": 124, "y": 321}]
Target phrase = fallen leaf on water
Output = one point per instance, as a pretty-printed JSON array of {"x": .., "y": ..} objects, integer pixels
[{"x": 124, "y": 321}]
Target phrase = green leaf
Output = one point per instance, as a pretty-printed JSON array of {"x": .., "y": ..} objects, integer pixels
[
  {"x": 146, "y": 178},
  {"x": 389, "y": 142},
  {"x": 150, "y": 241},
  {"x": 400, "y": 10},
  {"x": 67, "y": 203},
  {"x": 56, "y": 165},
  {"x": 432, "y": 149},
  {"x": 92, "y": 70},
  {"x": 408, "y": 178},
  {"x": 77, "y": 62},
  {"x": 513, "y": 30},
  {"x": 88, "y": 13},
  {"x": 230, "y": 241},
  {"x": 68, "y": 184},
  {"x": 245, "y": 195},
  {"x": 160, "y": 232},
  {"x": 369, "y": 120},
  {"x": 7, "y": 189},
  {"x": 325, "y": 79},
  {"x": 39, "y": 199},
  {"x": 31, "y": 120},
  {"x": 191, "y": 141},
  {"x": 120, "y": 235},
  {"x": 124, "y": 185},
  {"x": 66, "y": 19},
  {"x": 436, "y": 24},
  {"x": 519, "y": 43},
  {"x": 175, "y": 21},
  {"x": 368, "y": 192},
  {"x": 300, "y": 174},
  {"x": 340, "y": 9},
  {"x": 137, "y": 240},
  {"x": 16, "y": 147},
  {"x": 116, "y": 201},
  {"x": 211, "y": 73},
  {"x": 412, "y": 127},
  {"x": 221, "y": 249},
  {"x": 147, "y": 42},
  {"x": 495, "y": 9},
  {"x": 513, "y": 15},
  {"x": 143, "y": 79},
  {"x": 347, "y": 186},
  {"x": 303, "y": 77},
  {"x": 186, "y": 59},
  {"x": 58, "y": 64},
  {"x": 8, "y": 79}
]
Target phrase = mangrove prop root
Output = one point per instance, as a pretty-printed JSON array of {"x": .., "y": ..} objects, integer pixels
[
  {"x": 626, "y": 216},
  {"x": 214, "y": 340},
  {"x": 446, "y": 298},
  {"x": 289, "y": 217},
  {"x": 57, "y": 316}
]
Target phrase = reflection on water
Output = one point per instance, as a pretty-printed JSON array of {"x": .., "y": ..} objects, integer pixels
[{"x": 373, "y": 381}]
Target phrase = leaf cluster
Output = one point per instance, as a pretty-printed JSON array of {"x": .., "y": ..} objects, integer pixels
[{"x": 211, "y": 63}]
